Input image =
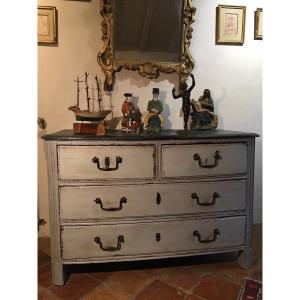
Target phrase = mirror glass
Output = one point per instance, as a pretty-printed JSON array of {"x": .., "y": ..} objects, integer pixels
[{"x": 147, "y": 30}]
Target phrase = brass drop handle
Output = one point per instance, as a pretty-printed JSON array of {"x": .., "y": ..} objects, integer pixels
[
  {"x": 109, "y": 248},
  {"x": 107, "y": 163},
  {"x": 122, "y": 201},
  {"x": 158, "y": 198},
  {"x": 207, "y": 203},
  {"x": 205, "y": 164},
  {"x": 200, "y": 240}
]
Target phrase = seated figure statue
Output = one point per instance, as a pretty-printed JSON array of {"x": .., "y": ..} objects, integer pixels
[
  {"x": 203, "y": 116},
  {"x": 154, "y": 120}
]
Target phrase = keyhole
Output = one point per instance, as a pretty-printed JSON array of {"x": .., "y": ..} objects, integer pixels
[{"x": 158, "y": 237}]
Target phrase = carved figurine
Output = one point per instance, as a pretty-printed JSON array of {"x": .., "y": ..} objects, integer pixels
[
  {"x": 127, "y": 109},
  {"x": 154, "y": 120},
  {"x": 131, "y": 120},
  {"x": 203, "y": 116},
  {"x": 136, "y": 121},
  {"x": 185, "y": 94}
]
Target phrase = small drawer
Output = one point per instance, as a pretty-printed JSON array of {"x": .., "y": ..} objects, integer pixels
[
  {"x": 101, "y": 202},
  {"x": 204, "y": 160},
  {"x": 124, "y": 240},
  {"x": 106, "y": 162}
]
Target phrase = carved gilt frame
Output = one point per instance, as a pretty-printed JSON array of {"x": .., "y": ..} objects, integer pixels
[{"x": 150, "y": 69}]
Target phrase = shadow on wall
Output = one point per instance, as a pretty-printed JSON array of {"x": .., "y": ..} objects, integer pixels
[
  {"x": 141, "y": 82},
  {"x": 217, "y": 101},
  {"x": 166, "y": 110}
]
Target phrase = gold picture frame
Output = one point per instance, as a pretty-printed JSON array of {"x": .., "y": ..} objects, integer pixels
[
  {"x": 258, "y": 24},
  {"x": 47, "y": 25},
  {"x": 230, "y": 25},
  {"x": 149, "y": 69}
]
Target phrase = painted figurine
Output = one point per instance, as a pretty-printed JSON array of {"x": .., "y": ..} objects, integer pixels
[
  {"x": 203, "y": 116},
  {"x": 136, "y": 121},
  {"x": 185, "y": 94},
  {"x": 154, "y": 120},
  {"x": 127, "y": 109}
]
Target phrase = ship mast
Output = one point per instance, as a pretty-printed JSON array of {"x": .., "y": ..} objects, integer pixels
[
  {"x": 87, "y": 91},
  {"x": 99, "y": 93},
  {"x": 78, "y": 91}
]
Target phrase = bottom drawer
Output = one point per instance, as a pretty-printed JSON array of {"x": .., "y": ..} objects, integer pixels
[{"x": 104, "y": 241}]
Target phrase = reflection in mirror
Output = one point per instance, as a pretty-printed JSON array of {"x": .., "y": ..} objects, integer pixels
[{"x": 147, "y": 30}]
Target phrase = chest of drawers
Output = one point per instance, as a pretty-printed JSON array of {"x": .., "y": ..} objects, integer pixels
[{"x": 121, "y": 197}]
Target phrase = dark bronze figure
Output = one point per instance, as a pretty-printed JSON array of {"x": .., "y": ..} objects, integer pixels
[{"x": 185, "y": 94}]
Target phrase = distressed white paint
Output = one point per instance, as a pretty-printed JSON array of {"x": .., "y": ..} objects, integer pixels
[
  {"x": 78, "y": 203},
  {"x": 78, "y": 241}
]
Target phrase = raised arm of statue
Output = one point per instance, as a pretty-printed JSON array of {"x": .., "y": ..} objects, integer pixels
[
  {"x": 193, "y": 83},
  {"x": 175, "y": 96}
]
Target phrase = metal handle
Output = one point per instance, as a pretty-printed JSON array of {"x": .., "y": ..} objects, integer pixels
[
  {"x": 107, "y": 163},
  {"x": 122, "y": 200},
  {"x": 158, "y": 198},
  {"x": 197, "y": 234},
  {"x": 205, "y": 164},
  {"x": 208, "y": 203},
  {"x": 110, "y": 249}
]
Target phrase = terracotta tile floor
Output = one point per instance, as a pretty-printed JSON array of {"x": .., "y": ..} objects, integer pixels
[{"x": 213, "y": 277}]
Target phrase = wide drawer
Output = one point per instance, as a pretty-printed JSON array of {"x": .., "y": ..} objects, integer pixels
[
  {"x": 151, "y": 199},
  {"x": 104, "y": 241},
  {"x": 204, "y": 160},
  {"x": 105, "y": 162}
]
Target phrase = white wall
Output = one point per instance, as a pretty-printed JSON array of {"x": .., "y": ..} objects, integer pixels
[{"x": 232, "y": 73}]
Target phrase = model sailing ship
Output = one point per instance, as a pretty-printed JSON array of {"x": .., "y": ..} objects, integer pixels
[{"x": 89, "y": 115}]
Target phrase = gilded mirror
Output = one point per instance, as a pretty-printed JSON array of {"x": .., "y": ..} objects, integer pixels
[{"x": 150, "y": 36}]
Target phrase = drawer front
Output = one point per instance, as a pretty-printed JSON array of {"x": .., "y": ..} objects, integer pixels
[
  {"x": 105, "y": 162},
  {"x": 104, "y": 241},
  {"x": 204, "y": 160},
  {"x": 151, "y": 199}
]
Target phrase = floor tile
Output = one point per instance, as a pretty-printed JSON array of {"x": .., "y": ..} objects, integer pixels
[
  {"x": 155, "y": 271},
  {"x": 212, "y": 288},
  {"x": 44, "y": 276},
  {"x": 76, "y": 287},
  {"x": 158, "y": 290},
  {"x": 100, "y": 276},
  {"x": 231, "y": 271},
  {"x": 193, "y": 297},
  {"x": 43, "y": 259},
  {"x": 103, "y": 293},
  {"x": 127, "y": 283},
  {"x": 181, "y": 277},
  {"x": 47, "y": 295}
]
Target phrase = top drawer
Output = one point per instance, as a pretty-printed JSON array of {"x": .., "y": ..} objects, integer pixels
[
  {"x": 204, "y": 160},
  {"x": 105, "y": 162}
]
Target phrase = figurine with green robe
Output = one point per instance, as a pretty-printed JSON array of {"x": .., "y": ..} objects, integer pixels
[{"x": 154, "y": 120}]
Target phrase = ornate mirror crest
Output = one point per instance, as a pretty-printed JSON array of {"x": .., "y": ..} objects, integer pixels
[{"x": 149, "y": 69}]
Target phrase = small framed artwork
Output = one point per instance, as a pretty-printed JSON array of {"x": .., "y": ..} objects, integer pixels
[
  {"x": 230, "y": 25},
  {"x": 258, "y": 24},
  {"x": 47, "y": 25}
]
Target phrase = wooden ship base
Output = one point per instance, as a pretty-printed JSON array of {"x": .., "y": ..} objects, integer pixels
[{"x": 94, "y": 128}]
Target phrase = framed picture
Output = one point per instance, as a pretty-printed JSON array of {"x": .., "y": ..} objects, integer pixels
[
  {"x": 47, "y": 25},
  {"x": 258, "y": 24},
  {"x": 230, "y": 25}
]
